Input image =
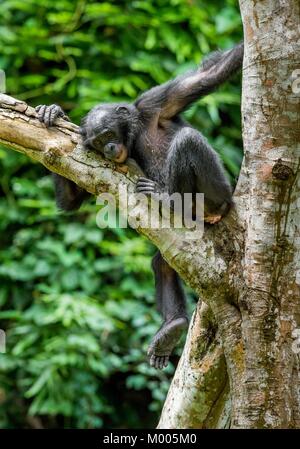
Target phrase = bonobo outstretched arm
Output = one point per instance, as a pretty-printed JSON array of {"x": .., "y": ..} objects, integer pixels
[{"x": 171, "y": 98}]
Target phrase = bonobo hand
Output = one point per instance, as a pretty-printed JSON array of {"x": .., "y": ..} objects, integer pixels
[
  {"x": 147, "y": 187},
  {"x": 48, "y": 114}
]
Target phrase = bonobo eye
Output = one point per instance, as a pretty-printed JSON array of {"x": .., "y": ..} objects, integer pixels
[
  {"x": 97, "y": 141},
  {"x": 103, "y": 137},
  {"x": 107, "y": 135}
]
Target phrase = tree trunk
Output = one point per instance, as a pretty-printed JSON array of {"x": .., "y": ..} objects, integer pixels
[
  {"x": 240, "y": 366},
  {"x": 261, "y": 332}
]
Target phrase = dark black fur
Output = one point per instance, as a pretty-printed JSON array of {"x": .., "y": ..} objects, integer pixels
[{"x": 174, "y": 157}]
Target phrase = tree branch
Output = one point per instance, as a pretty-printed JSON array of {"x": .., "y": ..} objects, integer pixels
[
  {"x": 59, "y": 149},
  {"x": 199, "y": 393},
  {"x": 208, "y": 264}
]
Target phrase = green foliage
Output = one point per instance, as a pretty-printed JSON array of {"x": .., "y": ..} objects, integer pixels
[
  {"x": 76, "y": 301},
  {"x": 77, "y": 305}
]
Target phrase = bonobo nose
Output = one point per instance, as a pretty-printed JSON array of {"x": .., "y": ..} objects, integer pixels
[{"x": 110, "y": 150}]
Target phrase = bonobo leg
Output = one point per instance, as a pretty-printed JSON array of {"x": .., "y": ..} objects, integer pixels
[
  {"x": 193, "y": 166},
  {"x": 171, "y": 303},
  {"x": 69, "y": 196}
]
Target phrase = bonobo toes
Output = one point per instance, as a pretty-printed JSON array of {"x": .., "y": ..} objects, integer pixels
[
  {"x": 215, "y": 217},
  {"x": 48, "y": 114},
  {"x": 212, "y": 219},
  {"x": 165, "y": 340}
]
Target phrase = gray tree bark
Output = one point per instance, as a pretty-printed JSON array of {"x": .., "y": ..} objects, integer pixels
[
  {"x": 240, "y": 365},
  {"x": 258, "y": 316}
]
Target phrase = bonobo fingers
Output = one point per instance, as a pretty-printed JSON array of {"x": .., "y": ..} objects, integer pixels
[
  {"x": 41, "y": 112},
  {"x": 48, "y": 114},
  {"x": 147, "y": 186},
  {"x": 159, "y": 362}
]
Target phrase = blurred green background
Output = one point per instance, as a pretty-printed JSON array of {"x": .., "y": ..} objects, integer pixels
[{"x": 77, "y": 302}]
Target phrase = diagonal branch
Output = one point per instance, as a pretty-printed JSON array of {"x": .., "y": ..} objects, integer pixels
[
  {"x": 208, "y": 264},
  {"x": 60, "y": 150}
]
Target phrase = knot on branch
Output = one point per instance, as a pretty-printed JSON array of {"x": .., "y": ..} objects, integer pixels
[{"x": 281, "y": 171}]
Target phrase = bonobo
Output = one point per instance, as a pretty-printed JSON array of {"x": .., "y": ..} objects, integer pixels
[{"x": 174, "y": 157}]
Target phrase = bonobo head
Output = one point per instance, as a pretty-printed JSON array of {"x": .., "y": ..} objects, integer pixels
[{"x": 111, "y": 129}]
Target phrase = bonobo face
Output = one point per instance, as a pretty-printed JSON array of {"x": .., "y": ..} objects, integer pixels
[{"x": 106, "y": 129}]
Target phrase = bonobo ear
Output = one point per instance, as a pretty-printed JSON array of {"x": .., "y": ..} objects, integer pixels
[
  {"x": 123, "y": 109},
  {"x": 82, "y": 131}
]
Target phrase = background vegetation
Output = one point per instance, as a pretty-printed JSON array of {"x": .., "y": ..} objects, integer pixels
[{"x": 77, "y": 302}]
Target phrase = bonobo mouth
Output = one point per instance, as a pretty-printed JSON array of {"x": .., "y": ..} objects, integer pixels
[
  {"x": 122, "y": 154},
  {"x": 116, "y": 152}
]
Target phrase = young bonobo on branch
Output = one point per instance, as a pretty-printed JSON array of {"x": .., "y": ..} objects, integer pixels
[{"x": 174, "y": 157}]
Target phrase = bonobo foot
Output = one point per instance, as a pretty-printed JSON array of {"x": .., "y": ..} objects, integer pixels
[
  {"x": 48, "y": 114},
  {"x": 147, "y": 186},
  {"x": 213, "y": 218},
  {"x": 165, "y": 340}
]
